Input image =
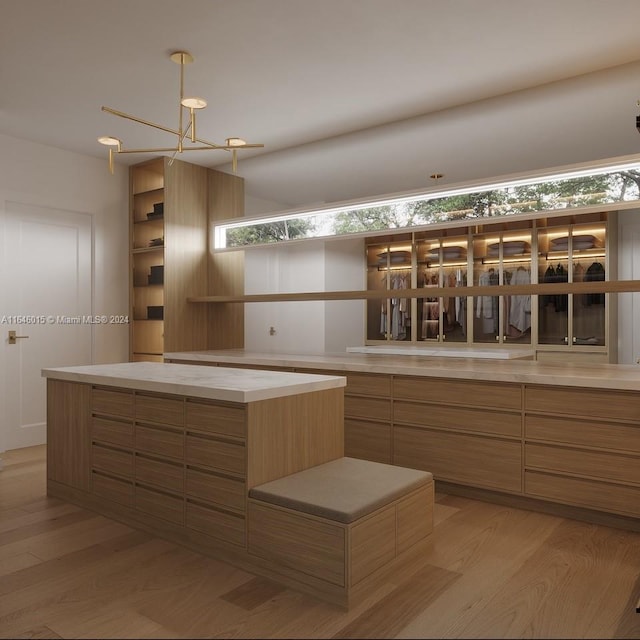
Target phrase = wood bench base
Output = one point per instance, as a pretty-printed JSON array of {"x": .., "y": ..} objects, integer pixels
[{"x": 338, "y": 562}]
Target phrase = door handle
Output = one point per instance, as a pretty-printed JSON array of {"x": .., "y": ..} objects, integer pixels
[{"x": 13, "y": 337}]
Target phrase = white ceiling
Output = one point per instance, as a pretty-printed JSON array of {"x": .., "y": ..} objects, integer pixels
[{"x": 351, "y": 98}]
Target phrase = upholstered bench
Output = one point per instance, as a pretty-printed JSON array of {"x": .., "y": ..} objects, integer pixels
[{"x": 338, "y": 529}]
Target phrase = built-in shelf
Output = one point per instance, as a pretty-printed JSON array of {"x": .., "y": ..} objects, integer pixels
[{"x": 615, "y": 286}]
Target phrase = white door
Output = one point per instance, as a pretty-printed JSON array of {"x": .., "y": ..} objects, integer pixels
[{"x": 46, "y": 284}]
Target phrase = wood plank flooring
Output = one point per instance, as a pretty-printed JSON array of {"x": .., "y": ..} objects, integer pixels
[{"x": 492, "y": 572}]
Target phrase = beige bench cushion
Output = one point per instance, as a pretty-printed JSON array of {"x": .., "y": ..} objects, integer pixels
[{"x": 342, "y": 490}]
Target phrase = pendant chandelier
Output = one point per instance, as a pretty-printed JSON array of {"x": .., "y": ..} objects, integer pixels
[{"x": 185, "y": 133}]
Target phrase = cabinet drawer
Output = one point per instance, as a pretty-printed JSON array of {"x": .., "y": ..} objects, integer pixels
[
  {"x": 583, "y": 432},
  {"x": 368, "y": 384},
  {"x": 151, "y": 408},
  {"x": 373, "y": 543},
  {"x": 458, "y": 418},
  {"x": 216, "y": 419},
  {"x": 112, "y": 489},
  {"x": 314, "y": 547},
  {"x": 160, "y": 505},
  {"x": 362, "y": 384},
  {"x": 209, "y": 487},
  {"x": 216, "y": 524},
  {"x": 604, "y": 496},
  {"x": 447, "y": 391},
  {"x": 161, "y": 474},
  {"x": 356, "y": 407},
  {"x": 112, "y": 431},
  {"x": 461, "y": 458},
  {"x": 160, "y": 441},
  {"x": 367, "y": 440},
  {"x": 590, "y": 403},
  {"x": 116, "y": 403},
  {"x": 608, "y": 466},
  {"x": 216, "y": 454},
  {"x": 112, "y": 460}
]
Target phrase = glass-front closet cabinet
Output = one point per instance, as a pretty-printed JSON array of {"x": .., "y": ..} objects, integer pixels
[
  {"x": 502, "y": 258},
  {"x": 390, "y": 266},
  {"x": 559, "y": 248},
  {"x": 572, "y": 253},
  {"x": 442, "y": 262}
]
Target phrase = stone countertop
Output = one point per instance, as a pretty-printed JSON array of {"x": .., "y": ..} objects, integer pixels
[
  {"x": 214, "y": 383},
  {"x": 595, "y": 376}
]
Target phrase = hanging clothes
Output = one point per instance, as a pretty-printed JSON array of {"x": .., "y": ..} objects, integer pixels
[
  {"x": 486, "y": 306},
  {"x": 520, "y": 305},
  {"x": 595, "y": 273}
]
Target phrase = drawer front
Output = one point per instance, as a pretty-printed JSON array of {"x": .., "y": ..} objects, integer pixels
[
  {"x": 373, "y": 543},
  {"x": 462, "y": 458},
  {"x": 112, "y": 489},
  {"x": 216, "y": 419},
  {"x": 584, "y": 493},
  {"x": 161, "y": 474},
  {"x": 115, "y": 403},
  {"x": 216, "y": 524},
  {"x": 415, "y": 517},
  {"x": 582, "y": 432},
  {"x": 309, "y": 546},
  {"x": 458, "y": 418},
  {"x": 590, "y": 403},
  {"x": 160, "y": 441},
  {"x": 225, "y": 492},
  {"x": 367, "y": 440},
  {"x": 216, "y": 454},
  {"x": 608, "y": 466},
  {"x": 112, "y": 431},
  {"x": 160, "y": 505},
  {"x": 112, "y": 460},
  {"x": 356, "y": 407},
  {"x": 159, "y": 409},
  {"x": 368, "y": 385},
  {"x": 447, "y": 391},
  {"x": 362, "y": 384}
]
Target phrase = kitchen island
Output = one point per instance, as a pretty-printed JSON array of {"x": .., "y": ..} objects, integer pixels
[
  {"x": 561, "y": 437},
  {"x": 175, "y": 449}
]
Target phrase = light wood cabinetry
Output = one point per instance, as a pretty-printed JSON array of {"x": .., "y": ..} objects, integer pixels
[
  {"x": 182, "y": 466},
  {"x": 68, "y": 441},
  {"x": 172, "y": 206},
  {"x": 561, "y": 444},
  {"x": 582, "y": 447}
]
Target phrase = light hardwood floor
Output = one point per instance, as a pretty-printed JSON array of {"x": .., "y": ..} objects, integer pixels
[{"x": 493, "y": 572}]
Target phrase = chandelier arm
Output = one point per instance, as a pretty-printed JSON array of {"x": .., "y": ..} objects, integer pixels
[{"x": 121, "y": 114}]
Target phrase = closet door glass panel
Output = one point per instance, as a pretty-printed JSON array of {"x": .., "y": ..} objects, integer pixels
[
  {"x": 389, "y": 268},
  {"x": 442, "y": 263},
  {"x": 502, "y": 259},
  {"x": 516, "y": 270},
  {"x": 588, "y": 265}
]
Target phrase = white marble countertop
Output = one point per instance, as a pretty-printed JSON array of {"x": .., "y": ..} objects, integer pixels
[
  {"x": 595, "y": 376},
  {"x": 214, "y": 383},
  {"x": 514, "y": 353}
]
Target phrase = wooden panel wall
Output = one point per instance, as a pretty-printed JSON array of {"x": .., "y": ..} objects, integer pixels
[
  {"x": 68, "y": 440},
  {"x": 226, "y": 270},
  {"x": 185, "y": 256}
]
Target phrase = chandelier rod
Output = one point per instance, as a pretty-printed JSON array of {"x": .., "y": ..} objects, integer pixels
[{"x": 161, "y": 127}]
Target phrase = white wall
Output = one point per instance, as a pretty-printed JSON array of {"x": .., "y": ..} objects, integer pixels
[
  {"x": 629, "y": 303},
  {"x": 45, "y": 176},
  {"x": 344, "y": 271},
  {"x": 304, "y": 327}
]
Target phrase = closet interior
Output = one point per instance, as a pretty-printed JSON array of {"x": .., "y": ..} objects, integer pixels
[{"x": 554, "y": 248}]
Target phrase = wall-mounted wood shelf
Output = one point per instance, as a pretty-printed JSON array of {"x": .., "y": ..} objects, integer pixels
[{"x": 555, "y": 288}]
